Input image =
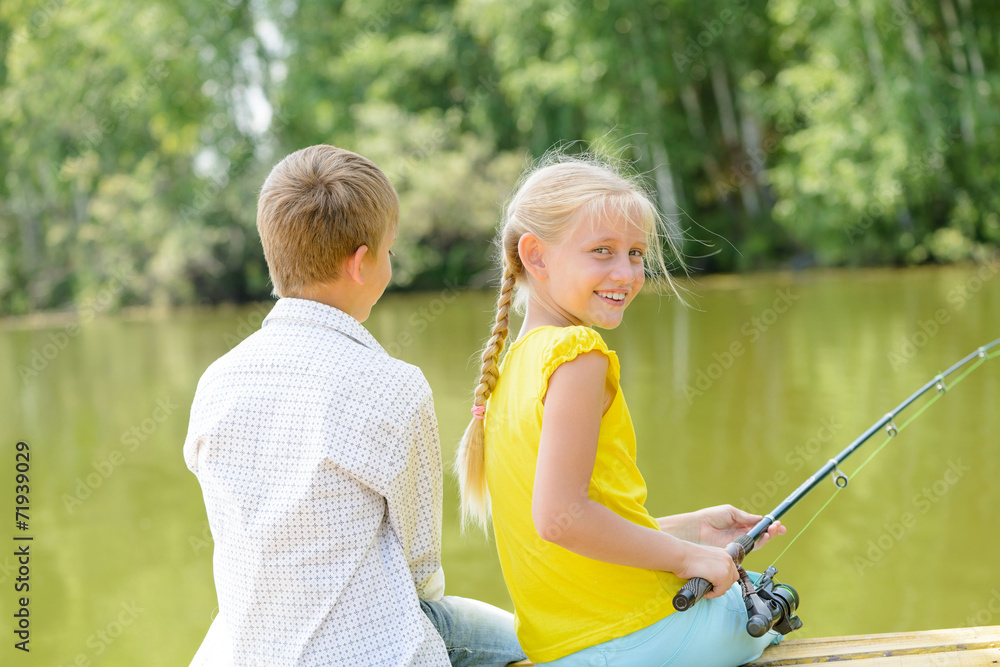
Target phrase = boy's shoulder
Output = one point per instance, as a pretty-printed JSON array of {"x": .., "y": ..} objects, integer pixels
[{"x": 305, "y": 338}]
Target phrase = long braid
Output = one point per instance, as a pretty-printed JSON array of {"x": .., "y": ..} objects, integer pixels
[{"x": 470, "y": 465}]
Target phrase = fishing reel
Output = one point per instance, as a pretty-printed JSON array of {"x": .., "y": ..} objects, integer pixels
[{"x": 771, "y": 606}]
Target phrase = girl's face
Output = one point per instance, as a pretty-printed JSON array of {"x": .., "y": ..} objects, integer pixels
[{"x": 593, "y": 274}]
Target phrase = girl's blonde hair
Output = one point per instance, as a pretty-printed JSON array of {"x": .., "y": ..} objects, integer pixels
[{"x": 545, "y": 204}]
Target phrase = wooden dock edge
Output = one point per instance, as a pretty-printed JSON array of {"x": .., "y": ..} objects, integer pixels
[{"x": 958, "y": 647}]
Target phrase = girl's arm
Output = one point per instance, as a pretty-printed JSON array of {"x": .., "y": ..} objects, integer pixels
[{"x": 561, "y": 509}]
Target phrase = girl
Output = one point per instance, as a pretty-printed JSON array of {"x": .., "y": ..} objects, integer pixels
[{"x": 551, "y": 450}]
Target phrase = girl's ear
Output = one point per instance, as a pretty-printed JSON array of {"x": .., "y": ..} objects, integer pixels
[
  {"x": 352, "y": 265},
  {"x": 532, "y": 254}
]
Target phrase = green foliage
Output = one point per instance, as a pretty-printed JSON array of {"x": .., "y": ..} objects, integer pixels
[
  {"x": 133, "y": 139},
  {"x": 889, "y": 130}
]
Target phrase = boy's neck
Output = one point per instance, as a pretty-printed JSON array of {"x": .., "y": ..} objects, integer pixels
[{"x": 338, "y": 295}]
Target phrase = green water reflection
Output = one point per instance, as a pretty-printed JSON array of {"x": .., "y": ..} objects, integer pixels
[{"x": 734, "y": 402}]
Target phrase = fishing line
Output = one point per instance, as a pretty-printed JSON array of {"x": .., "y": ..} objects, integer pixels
[
  {"x": 888, "y": 439},
  {"x": 772, "y": 605}
]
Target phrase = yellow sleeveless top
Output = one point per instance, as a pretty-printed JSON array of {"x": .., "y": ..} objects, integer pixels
[{"x": 564, "y": 602}]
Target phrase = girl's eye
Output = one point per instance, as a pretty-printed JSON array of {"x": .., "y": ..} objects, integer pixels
[
  {"x": 635, "y": 253},
  {"x": 603, "y": 251}
]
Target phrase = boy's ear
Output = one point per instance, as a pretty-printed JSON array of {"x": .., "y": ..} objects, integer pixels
[
  {"x": 532, "y": 254},
  {"x": 352, "y": 265}
]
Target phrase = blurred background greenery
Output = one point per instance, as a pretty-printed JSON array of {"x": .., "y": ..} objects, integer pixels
[
  {"x": 786, "y": 134},
  {"x": 134, "y": 136}
]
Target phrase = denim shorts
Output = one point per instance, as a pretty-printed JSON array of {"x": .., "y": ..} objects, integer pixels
[
  {"x": 475, "y": 633},
  {"x": 711, "y": 634}
]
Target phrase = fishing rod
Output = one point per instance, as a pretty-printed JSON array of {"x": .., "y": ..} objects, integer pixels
[{"x": 770, "y": 604}]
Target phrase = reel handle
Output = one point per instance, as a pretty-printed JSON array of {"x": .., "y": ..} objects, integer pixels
[
  {"x": 758, "y": 625},
  {"x": 695, "y": 588}
]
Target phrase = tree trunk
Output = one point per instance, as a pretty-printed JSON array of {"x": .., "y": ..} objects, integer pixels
[
  {"x": 971, "y": 43},
  {"x": 911, "y": 39},
  {"x": 696, "y": 126},
  {"x": 724, "y": 103},
  {"x": 968, "y": 121},
  {"x": 755, "y": 157},
  {"x": 872, "y": 47},
  {"x": 665, "y": 188},
  {"x": 727, "y": 119}
]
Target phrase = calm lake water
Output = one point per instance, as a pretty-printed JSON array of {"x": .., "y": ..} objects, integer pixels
[{"x": 736, "y": 401}]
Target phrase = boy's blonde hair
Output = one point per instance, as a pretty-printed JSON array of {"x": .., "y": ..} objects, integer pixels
[
  {"x": 316, "y": 208},
  {"x": 546, "y": 204}
]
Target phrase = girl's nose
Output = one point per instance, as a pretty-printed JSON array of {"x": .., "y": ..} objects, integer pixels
[{"x": 623, "y": 271}]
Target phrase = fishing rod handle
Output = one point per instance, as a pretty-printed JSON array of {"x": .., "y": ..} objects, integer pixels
[
  {"x": 696, "y": 588},
  {"x": 692, "y": 591}
]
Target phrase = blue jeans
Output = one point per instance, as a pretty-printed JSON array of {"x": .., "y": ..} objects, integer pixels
[
  {"x": 475, "y": 633},
  {"x": 710, "y": 634}
]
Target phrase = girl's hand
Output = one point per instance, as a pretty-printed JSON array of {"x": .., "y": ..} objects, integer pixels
[
  {"x": 711, "y": 563},
  {"x": 716, "y": 526},
  {"x": 720, "y": 525}
]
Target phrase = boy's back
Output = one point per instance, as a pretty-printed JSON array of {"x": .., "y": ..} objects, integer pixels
[{"x": 319, "y": 461}]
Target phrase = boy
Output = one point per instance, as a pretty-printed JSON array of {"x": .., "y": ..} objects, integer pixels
[{"x": 318, "y": 454}]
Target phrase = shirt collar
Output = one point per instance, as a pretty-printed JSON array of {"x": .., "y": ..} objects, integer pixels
[{"x": 313, "y": 312}]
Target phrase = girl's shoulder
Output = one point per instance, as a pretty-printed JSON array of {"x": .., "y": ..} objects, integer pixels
[
  {"x": 553, "y": 346},
  {"x": 556, "y": 341},
  {"x": 578, "y": 340}
]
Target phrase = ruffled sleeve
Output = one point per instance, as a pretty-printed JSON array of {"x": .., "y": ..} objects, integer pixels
[{"x": 567, "y": 344}]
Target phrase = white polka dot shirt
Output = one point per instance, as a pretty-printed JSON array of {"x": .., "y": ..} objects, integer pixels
[{"x": 320, "y": 464}]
